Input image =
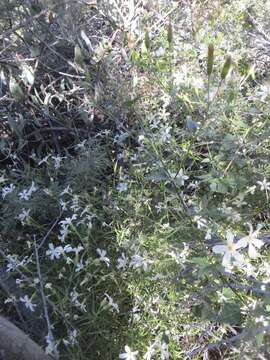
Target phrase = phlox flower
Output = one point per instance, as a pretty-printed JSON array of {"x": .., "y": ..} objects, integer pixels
[
  {"x": 128, "y": 354},
  {"x": 26, "y": 193},
  {"x": 54, "y": 252},
  {"x": 7, "y": 190},
  {"x": 102, "y": 256},
  {"x": 27, "y": 302},
  {"x": 122, "y": 262},
  {"x": 138, "y": 261},
  {"x": 112, "y": 304},
  {"x": 229, "y": 251},
  {"x": 252, "y": 241},
  {"x": 264, "y": 185}
]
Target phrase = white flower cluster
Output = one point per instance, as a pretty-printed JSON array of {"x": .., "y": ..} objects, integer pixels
[{"x": 230, "y": 251}]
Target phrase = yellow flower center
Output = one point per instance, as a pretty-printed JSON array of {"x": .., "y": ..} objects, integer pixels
[{"x": 230, "y": 247}]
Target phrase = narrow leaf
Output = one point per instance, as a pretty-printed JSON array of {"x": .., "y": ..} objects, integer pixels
[{"x": 147, "y": 40}]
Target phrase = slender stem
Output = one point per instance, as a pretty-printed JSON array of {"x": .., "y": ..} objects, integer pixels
[{"x": 45, "y": 307}]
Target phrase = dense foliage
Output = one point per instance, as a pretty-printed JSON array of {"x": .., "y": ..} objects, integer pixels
[{"x": 135, "y": 179}]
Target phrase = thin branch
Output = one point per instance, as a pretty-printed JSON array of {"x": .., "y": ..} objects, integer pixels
[{"x": 242, "y": 335}]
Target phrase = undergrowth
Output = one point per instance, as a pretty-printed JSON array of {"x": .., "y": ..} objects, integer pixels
[{"x": 135, "y": 178}]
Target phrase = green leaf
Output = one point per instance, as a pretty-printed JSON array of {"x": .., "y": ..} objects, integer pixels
[
  {"x": 228, "y": 293},
  {"x": 217, "y": 186},
  {"x": 230, "y": 313},
  {"x": 200, "y": 261},
  {"x": 147, "y": 42}
]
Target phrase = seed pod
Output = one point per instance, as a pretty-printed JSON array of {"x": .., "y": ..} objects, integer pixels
[
  {"x": 147, "y": 40},
  {"x": 210, "y": 59},
  {"x": 170, "y": 34},
  {"x": 226, "y": 67}
]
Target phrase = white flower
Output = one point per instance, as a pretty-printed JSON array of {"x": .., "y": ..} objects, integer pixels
[
  {"x": 27, "y": 302},
  {"x": 138, "y": 261},
  {"x": 151, "y": 351},
  {"x": 68, "y": 220},
  {"x": 164, "y": 351},
  {"x": 264, "y": 185},
  {"x": 12, "y": 299},
  {"x": 158, "y": 207},
  {"x": 79, "y": 266},
  {"x": 208, "y": 235},
  {"x": 54, "y": 252},
  {"x": 57, "y": 161},
  {"x": 78, "y": 249},
  {"x": 128, "y": 354},
  {"x": 102, "y": 256},
  {"x": 26, "y": 193},
  {"x": 68, "y": 248},
  {"x": 113, "y": 305},
  {"x": 252, "y": 241},
  {"x": 165, "y": 134},
  {"x": 7, "y": 190},
  {"x": 229, "y": 251},
  {"x": 24, "y": 216},
  {"x": 201, "y": 223},
  {"x": 179, "y": 178},
  {"x": 122, "y": 262},
  {"x": 44, "y": 160},
  {"x": 121, "y": 187},
  {"x": 67, "y": 190}
]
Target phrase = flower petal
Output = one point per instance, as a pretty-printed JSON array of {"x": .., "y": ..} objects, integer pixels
[
  {"x": 219, "y": 249},
  {"x": 229, "y": 237},
  {"x": 242, "y": 243},
  {"x": 226, "y": 259},
  {"x": 252, "y": 251},
  {"x": 258, "y": 243},
  {"x": 238, "y": 257}
]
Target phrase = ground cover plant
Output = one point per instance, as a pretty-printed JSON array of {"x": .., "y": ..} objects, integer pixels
[{"x": 135, "y": 179}]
